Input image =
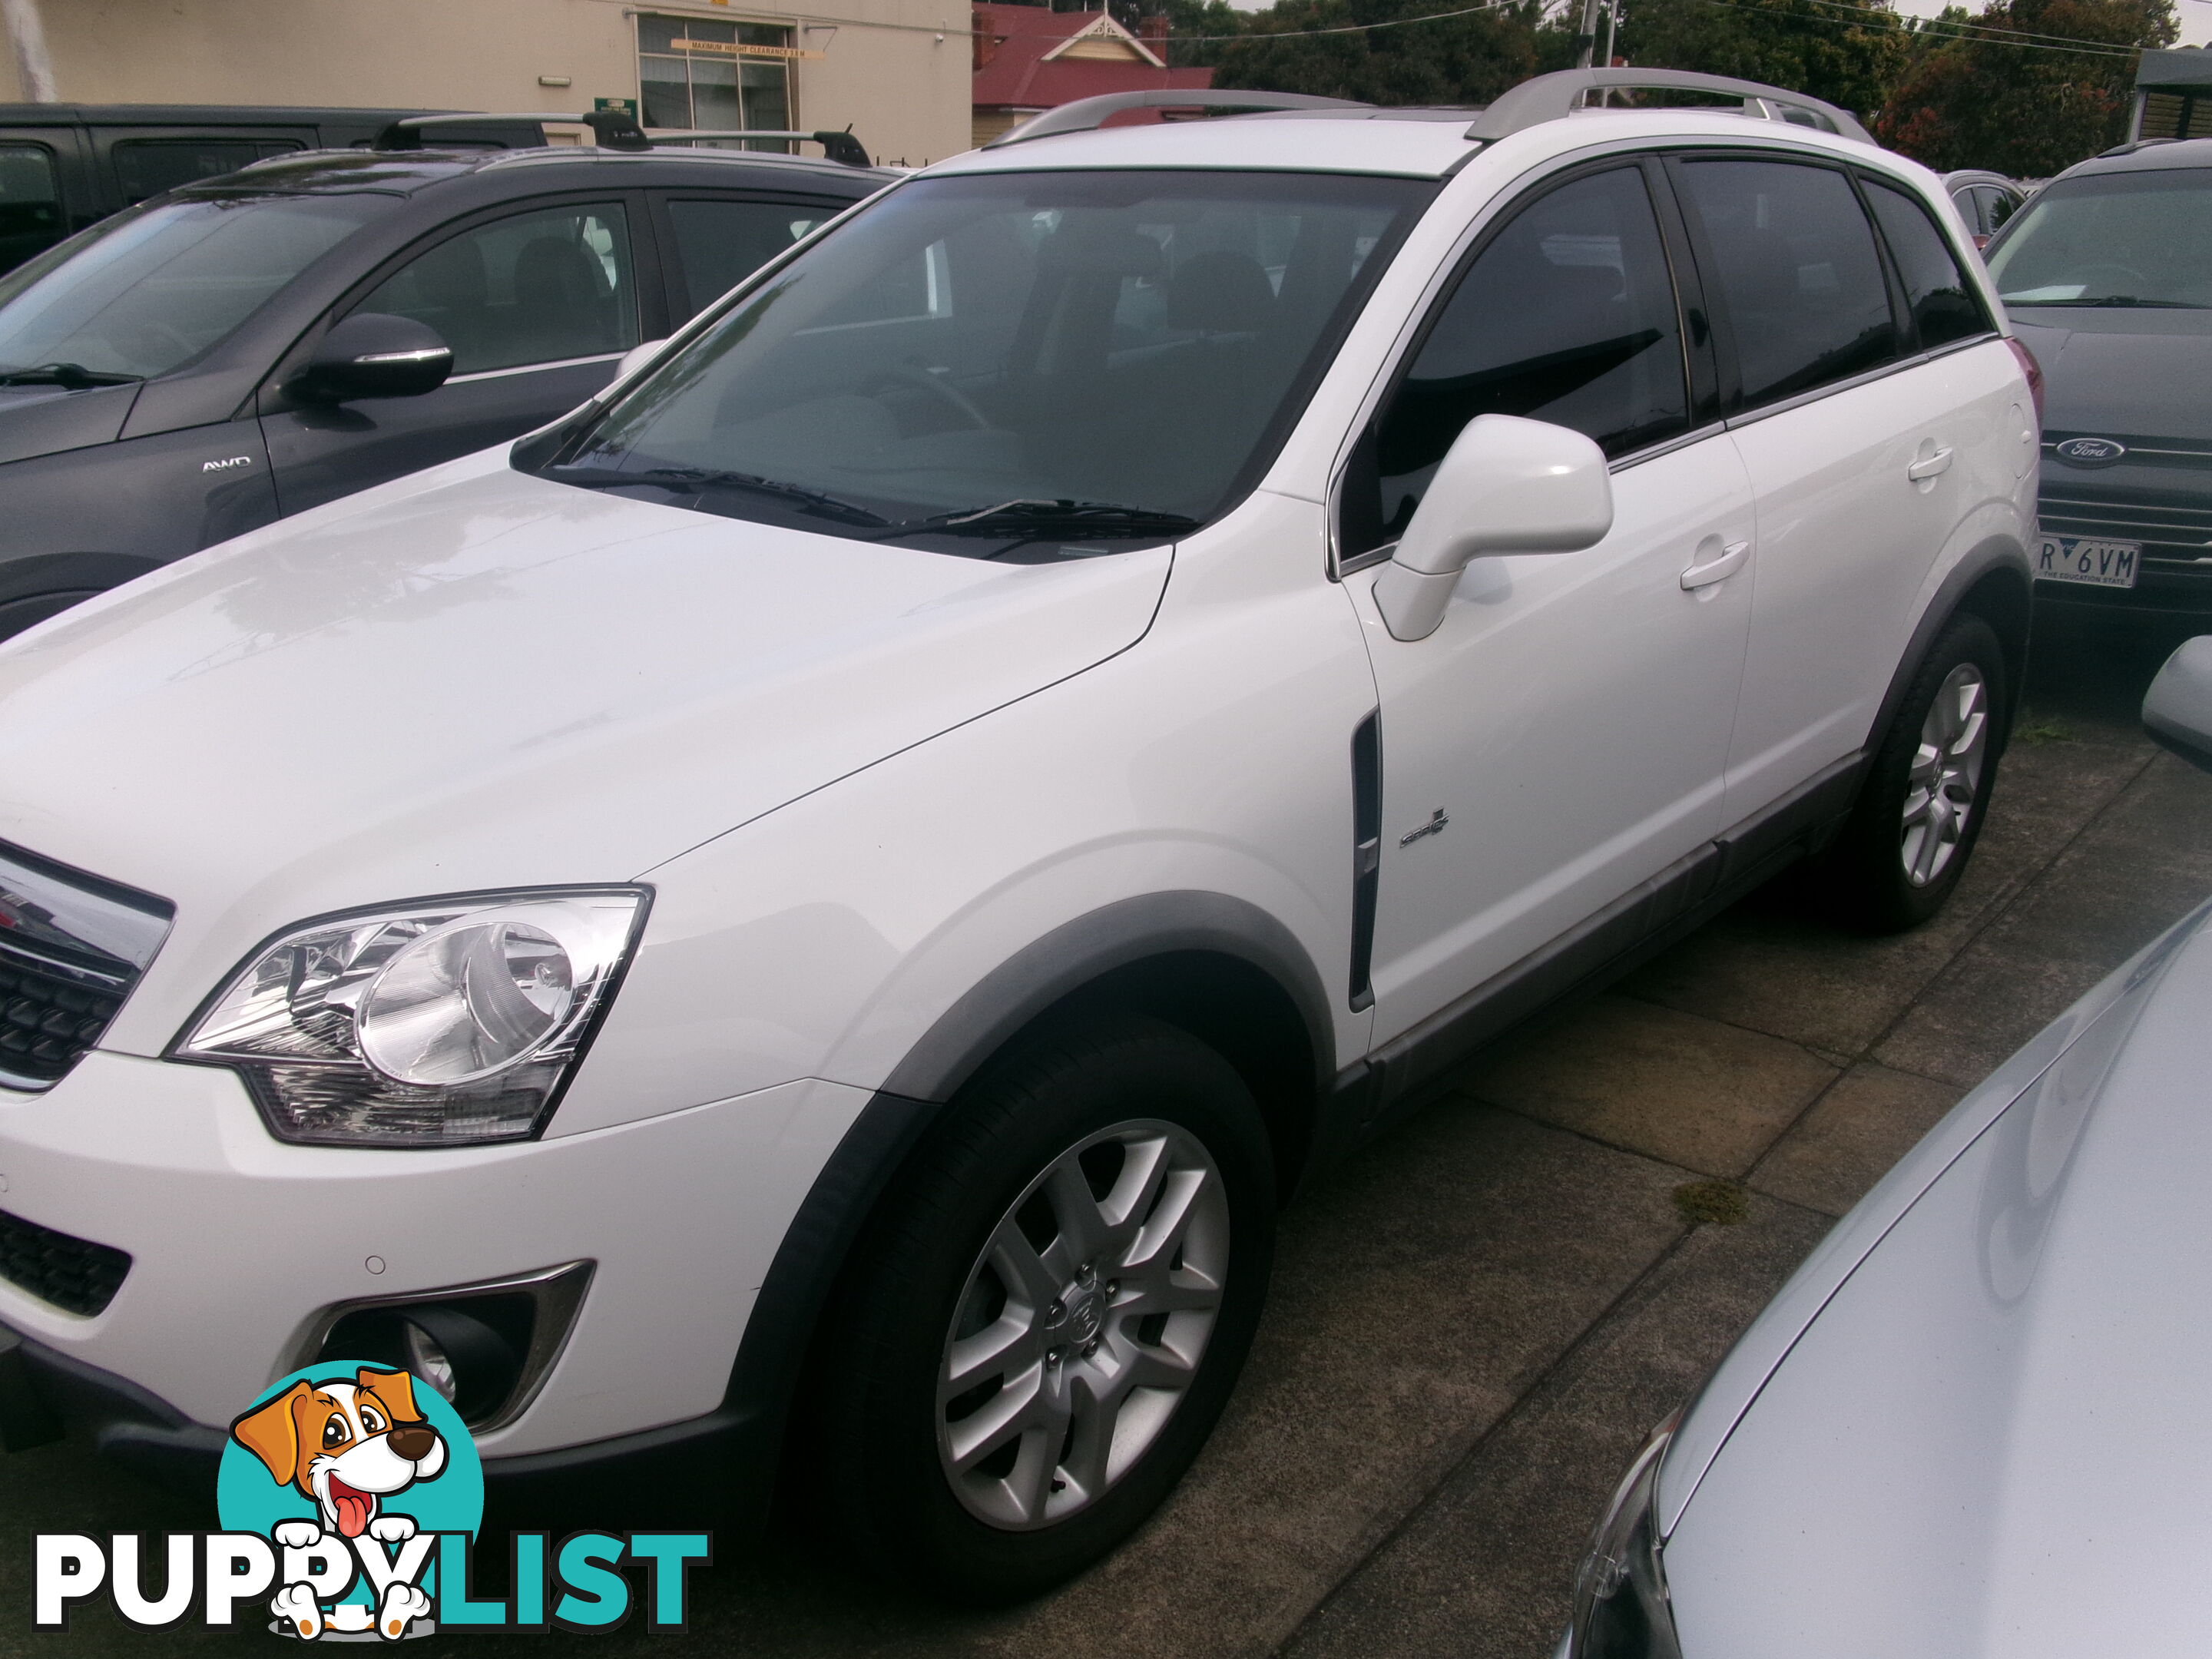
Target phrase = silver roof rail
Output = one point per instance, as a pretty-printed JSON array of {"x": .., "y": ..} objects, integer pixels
[
  {"x": 1554, "y": 97},
  {"x": 1085, "y": 114},
  {"x": 836, "y": 146},
  {"x": 613, "y": 128}
]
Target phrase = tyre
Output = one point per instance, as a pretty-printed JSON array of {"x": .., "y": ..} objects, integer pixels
[
  {"x": 1906, "y": 842},
  {"x": 1048, "y": 1312}
]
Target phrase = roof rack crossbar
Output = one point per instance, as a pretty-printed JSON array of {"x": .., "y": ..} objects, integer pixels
[
  {"x": 612, "y": 128},
  {"x": 1553, "y": 97},
  {"x": 1086, "y": 114},
  {"x": 837, "y": 146}
]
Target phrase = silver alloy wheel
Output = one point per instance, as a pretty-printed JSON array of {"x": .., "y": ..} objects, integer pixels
[
  {"x": 1082, "y": 1324},
  {"x": 1946, "y": 774}
]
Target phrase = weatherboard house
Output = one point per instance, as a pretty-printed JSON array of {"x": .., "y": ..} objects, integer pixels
[{"x": 1031, "y": 59}]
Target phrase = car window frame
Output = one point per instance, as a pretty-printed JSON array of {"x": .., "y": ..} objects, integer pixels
[
  {"x": 645, "y": 268},
  {"x": 675, "y": 277},
  {"x": 1700, "y": 365}
]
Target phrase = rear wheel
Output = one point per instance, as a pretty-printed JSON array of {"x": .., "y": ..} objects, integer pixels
[
  {"x": 1908, "y": 839},
  {"x": 1049, "y": 1313}
]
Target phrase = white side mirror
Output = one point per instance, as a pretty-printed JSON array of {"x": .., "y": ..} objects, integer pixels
[
  {"x": 2178, "y": 709},
  {"x": 1507, "y": 485},
  {"x": 636, "y": 358}
]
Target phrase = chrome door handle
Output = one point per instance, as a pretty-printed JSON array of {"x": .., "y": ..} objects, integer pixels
[
  {"x": 1939, "y": 462},
  {"x": 1716, "y": 570}
]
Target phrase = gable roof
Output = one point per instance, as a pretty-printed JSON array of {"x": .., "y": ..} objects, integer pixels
[{"x": 1034, "y": 58}]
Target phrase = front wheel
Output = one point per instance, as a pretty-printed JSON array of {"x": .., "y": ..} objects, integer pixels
[
  {"x": 1906, "y": 843},
  {"x": 1049, "y": 1314}
]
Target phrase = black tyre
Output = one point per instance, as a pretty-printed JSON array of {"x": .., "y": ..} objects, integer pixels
[
  {"x": 1920, "y": 811},
  {"x": 1048, "y": 1312}
]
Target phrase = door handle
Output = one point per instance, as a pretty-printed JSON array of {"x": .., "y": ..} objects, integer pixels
[
  {"x": 1715, "y": 570},
  {"x": 1923, "y": 469}
]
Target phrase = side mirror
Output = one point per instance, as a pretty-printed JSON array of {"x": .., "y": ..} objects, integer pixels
[
  {"x": 374, "y": 354},
  {"x": 636, "y": 358},
  {"x": 1507, "y": 485},
  {"x": 2178, "y": 709}
]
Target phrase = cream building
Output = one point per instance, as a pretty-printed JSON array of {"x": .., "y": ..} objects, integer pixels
[{"x": 897, "y": 71}]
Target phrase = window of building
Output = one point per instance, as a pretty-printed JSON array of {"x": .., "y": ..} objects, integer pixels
[{"x": 702, "y": 72}]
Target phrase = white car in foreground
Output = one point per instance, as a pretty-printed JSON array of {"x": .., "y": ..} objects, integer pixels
[
  {"x": 808, "y": 914},
  {"x": 1973, "y": 1422}
]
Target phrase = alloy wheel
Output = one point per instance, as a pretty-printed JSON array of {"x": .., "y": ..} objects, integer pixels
[
  {"x": 1082, "y": 1324},
  {"x": 1946, "y": 774}
]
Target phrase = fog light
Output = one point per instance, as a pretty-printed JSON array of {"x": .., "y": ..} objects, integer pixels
[{"x": 427, "y": 1361}]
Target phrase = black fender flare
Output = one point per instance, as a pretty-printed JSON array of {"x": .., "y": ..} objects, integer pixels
[{"x": 1998, "y": 555}]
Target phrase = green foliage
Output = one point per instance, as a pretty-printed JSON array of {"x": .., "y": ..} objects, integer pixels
[
  {"x": 1991, "y": 103},
  {"x": 1851, "y": 59}
]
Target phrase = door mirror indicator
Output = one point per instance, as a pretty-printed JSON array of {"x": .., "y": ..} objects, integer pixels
[
  {"x": 374, "y": 354},
  {"x": 1507, "y": 485},
  {"x": 2178, "y": 709}
]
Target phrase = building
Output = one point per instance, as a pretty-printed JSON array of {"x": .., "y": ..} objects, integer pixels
[
  {"x": 894, "y": 71},
  {"x": 2173, "y": 94},
  {"x": 1031, "y": 58}
]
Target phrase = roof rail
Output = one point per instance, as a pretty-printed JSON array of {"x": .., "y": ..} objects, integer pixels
[
  {"x": 836, "y": 146},
  {"x": 611, "y": 128},
  {"x": 1551, "y": 97},
  {"x": 1086, "y": 114}
]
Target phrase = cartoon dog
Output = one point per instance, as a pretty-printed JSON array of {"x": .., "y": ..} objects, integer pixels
[{"x": 346, "y": 1446}]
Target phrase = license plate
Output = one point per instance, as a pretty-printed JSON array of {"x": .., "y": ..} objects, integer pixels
[{"x": 2089, "y": 560}]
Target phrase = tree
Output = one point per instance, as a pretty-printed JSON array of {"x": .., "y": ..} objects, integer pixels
[
  {"x": 1849, "y": 57},
  {"x": 1453, "y": 60},
  {"x": 2019, "y": 107}
]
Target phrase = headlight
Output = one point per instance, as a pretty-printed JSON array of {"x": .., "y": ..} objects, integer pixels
[
  {"x": 1621, "y": 1606},
  {"x": 442, "y": 1024}
]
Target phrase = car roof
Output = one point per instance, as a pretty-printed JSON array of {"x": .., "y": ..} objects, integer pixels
[
  {"x": 2150, "y": 155},
  {"x": 1414, "y": 143},
  {"x": 404, "y": 172}
]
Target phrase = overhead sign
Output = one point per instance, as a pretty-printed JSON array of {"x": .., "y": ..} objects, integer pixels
[{"x": 741, "y": 49}]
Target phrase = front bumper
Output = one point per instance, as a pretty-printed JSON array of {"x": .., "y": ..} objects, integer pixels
[{"x": 238, "y": 1241}]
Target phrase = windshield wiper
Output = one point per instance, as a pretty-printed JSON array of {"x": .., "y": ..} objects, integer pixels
[
  {"x": 2113, "y": 301},
  {"x": 702, "y": 479},
  {"x": 71, "y": 377},
  {"x": 1028, "y": 518}
]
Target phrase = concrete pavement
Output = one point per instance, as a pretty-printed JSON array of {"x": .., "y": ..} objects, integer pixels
[{"x": 1476, "y": 1321}]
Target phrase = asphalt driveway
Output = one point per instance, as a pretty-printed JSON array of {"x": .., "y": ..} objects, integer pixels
[{"x": 1476, "y": 1321}]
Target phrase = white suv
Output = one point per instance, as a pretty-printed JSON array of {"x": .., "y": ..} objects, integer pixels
[{"x": 809, "y": 915}]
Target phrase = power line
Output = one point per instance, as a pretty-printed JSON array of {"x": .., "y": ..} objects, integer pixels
[{"x": 2001, "y": 33}]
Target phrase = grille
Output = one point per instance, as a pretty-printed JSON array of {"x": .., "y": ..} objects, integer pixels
[
  {"x": 2175, "y": 536},
  {"x": 74, "y": 1274},
  {"x": 71, "y": 947}
]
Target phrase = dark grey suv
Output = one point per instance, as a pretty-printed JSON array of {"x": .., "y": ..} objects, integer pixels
[
  {"x": 2107, "y": 272},
  {"x": 253, "y": 345}
]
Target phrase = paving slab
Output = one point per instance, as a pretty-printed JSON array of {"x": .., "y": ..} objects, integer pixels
[
  {"x": 1870, "y": 1117},
  {"x": 1483, "y": 1569},
  {"x": 2143, "y": 863},
  {"x": 1690, "y": 1090}
]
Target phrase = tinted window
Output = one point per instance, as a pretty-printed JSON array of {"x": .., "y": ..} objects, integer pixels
[
  {"x": 1796, "y": 263},
  {"x": 148, "y": 290},
  {"x": 718, "y": 244},
  {"x": 2000, "y": 207},
  {"x": 539, "y": 288},
  {"x": 147, "y": 166},
  {"x": 1120, "y": 337},
  {"x": 1567, "y": 315},
  {"x": 30, "y": 204},
  {"x": 1943, "y": 306}
]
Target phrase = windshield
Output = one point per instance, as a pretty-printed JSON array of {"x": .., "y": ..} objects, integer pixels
[
  {"x": 1015, "y": 358},
  {"x": 151, "y": 288},
  {"x": 2111, "y": 239}
]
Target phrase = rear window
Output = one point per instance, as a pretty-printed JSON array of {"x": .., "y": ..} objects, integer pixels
[
  {"x": 30, "y": 203},
  {"x": 1806, "y": 303},
  {"x": 147, "y": 291},
  {"x": 1943, "y": 303}
]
